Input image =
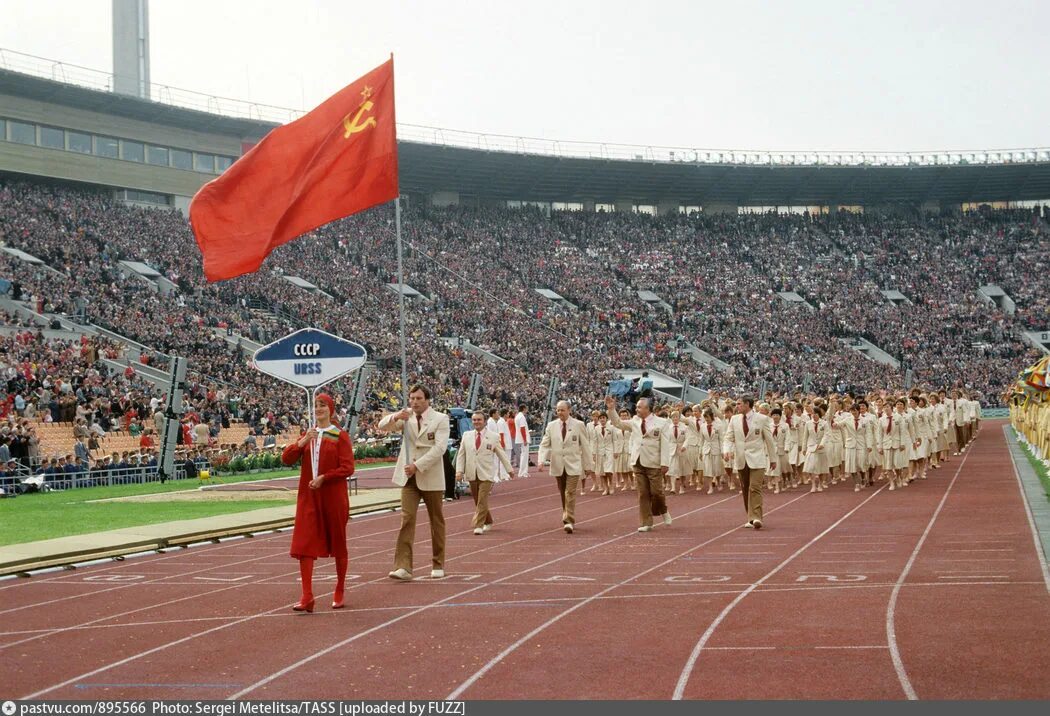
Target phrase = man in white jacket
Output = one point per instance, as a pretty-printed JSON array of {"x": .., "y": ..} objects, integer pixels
[
  {"x": 475, "y": 459},
  {"x": 749, "y": 443}
]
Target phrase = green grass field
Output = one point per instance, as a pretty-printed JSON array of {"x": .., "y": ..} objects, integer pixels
[
  {"x": 46, "y": 515},
  {"x": 1041, "y": 471}
]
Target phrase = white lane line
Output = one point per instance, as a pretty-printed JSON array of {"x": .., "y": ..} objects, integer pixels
[
  {"x": 262, "y": 581},
  {"x": 333, "y": 647},
  {"x": 547, "y": 601},
  {"x": 687, "y": 670},
  {"x": 284, "y": 606},
  {"x": 506, "y": 652},
  {"x": 891, "y": 606}
]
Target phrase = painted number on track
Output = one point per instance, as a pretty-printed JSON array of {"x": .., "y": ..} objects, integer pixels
[
  {"x": 678, "y": 578},
  {"x": 114, "y": 577},
  {"x": 832, "y": 577}
]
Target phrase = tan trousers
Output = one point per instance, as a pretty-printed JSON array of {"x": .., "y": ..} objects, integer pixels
[
  {"x": 751, "y": 488},
  {"x": 651, "y": 503},
  {"x": 479, "y": 490},
  {"x": 410, "y": 496},
  {"x": 567, "y": 485}
]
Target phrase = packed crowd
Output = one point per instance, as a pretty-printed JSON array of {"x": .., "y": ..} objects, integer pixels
[{"x": 717, "y": 278}]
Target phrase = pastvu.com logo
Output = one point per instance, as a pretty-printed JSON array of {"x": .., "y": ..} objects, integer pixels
[{"x": 9, "y": 708}]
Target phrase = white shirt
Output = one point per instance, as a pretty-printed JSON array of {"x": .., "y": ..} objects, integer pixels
[
  {"x": 505, "y": 433},
  {"x": 521, "y": 425}
]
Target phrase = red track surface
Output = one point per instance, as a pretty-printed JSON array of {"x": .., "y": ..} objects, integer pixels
[{"x": 933, "y": 592}]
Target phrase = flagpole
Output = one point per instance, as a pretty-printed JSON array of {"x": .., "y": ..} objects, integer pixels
[{"x": 401, "y": 302}]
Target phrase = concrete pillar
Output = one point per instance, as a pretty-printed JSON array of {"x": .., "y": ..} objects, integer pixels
[
  {"x": 625, "y": 206},
  {"x": 667, "y": 206},
  {"x": 931, "y": 207},
  {"x": 444, "y": 198},
  {"x": 588, "y": 205},
  {"x": 131, "y": 48},
  {"x": 720, "y": 207},
  {"x": 182, "y": 204}
]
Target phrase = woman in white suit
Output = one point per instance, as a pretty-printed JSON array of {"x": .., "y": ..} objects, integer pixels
[
  {"x": 678, "y": 471},
  {"x": 896, "y": 442},
  {"x": 711, "y": 436},
  {"x": 730, "y": 476},
  {"x": 791, "y": 444},
  {"x": 694, "y": 421},
  {"x": 778, "y": 475},
  {"x": 917, "y": 452},
  {"x": 604, "y": 449},
  {"x": 835, "y": 450},
  {"x": 816, "y": 465},
  {"x": 623, "y": 454},
  {"x": 940, "y": 442}
]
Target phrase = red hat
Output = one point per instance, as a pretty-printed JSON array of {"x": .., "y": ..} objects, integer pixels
[{"x": 327, "y": 400}]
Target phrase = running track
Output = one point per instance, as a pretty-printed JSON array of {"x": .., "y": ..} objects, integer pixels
[{"x": 934, "y": 592}]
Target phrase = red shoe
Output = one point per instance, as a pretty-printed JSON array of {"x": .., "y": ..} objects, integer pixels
[
  {"x": 337, "y": 601},
  {"x": 304, "y": 606}
]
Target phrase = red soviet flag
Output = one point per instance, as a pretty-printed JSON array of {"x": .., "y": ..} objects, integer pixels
[{"x": 339, "y": 159}]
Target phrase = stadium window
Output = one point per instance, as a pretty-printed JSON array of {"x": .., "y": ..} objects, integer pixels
[
  {"x": 23, "y": 133},
  {"x": 607, "y": 208},
  {"x": 3, "y": 130},
  {"x": 107, "y": 147},
  {"x": 52, "y": 138},
  {"x": 204, "y": 163},
  {"x": 157, "y": 155},
  {"x": 79, "y": 142},
  {"x": 132, "y": 151},
  {"x": 181, "y": 159},
  {"x": 690, "y": 209},
  {"x": 223, "y": 163},
  {"x": 645, "y": 209},
  {"x": 146, "y": 197}
]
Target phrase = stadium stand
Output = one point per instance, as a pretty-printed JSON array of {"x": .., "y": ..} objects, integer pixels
[{"x": 478, "y": 270}]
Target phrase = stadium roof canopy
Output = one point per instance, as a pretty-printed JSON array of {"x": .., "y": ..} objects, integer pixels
[
  {"x": 496, "y": 167},
  {"x": 506, "y": 175}
]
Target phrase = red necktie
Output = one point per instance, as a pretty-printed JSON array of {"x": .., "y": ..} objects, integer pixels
[
  {"x": 775, "y": 429},
  {"x": 698, "y": 425},
  {"x": 856, "y": 422},
  {"x": 890, "y": 426},
  {"x": 743, "y": 420},
  {"x": 564, "y": 430},
  {"x": 675, "y": 432},
  {"x": 419, "y": 424},
  {"x": 709, "y": 430},
  {"x": 643, "y": 426},
  {"x": 477, "y": 441},
  {"x": 603, "y": 431}
]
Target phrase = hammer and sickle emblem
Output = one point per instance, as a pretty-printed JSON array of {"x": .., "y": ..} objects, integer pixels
[{"x": 355, "y": 125}]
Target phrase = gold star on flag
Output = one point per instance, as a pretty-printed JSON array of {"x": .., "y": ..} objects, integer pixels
[{"x": 366, "y": 93}]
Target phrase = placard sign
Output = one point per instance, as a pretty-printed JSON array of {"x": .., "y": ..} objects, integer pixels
[{"x": 309, "y": 358}]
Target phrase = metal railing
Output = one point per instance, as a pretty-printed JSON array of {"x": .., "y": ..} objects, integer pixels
[
  {"x": 136, "y": 475},
  {"x": 228, "y": 107}
]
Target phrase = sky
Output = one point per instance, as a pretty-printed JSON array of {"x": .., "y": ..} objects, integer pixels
[{"x": 890, "y": 75}]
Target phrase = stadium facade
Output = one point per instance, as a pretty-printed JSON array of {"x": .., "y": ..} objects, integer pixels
[{"x": 161, "y": 153}]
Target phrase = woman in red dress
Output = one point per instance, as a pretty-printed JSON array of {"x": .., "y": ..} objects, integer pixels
[{"x": 323, "y": 506}]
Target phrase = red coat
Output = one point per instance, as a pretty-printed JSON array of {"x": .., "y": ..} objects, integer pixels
[{"x": 321, "y": 515}]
